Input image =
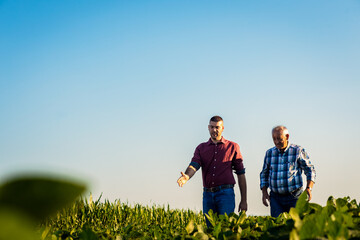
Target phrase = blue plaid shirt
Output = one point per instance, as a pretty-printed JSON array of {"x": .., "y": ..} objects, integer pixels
[{"x": 282, "y": 171}]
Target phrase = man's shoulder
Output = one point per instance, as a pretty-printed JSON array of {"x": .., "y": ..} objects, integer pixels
[
  {"x": 204, "y": 143},
  {"x": 270, "y": 150},
  {"x": 231, "y": 144},
  {"x": 295, "y": 146}
]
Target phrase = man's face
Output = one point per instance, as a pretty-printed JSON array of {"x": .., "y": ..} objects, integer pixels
[
  {"x": 216, "y": 129},
  {"x": 280, "y": 139}
]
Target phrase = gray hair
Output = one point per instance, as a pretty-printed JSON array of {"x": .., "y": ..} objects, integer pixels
[{"x": 282, "y": 129}]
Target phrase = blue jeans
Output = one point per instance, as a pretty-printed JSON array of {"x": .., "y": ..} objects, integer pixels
[
  {"x": 221, "y": 202},
  {"x": 280, "y": 203}
]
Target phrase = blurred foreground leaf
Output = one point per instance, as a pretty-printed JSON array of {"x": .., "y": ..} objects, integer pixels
[
  {"x": 302, "y": 205},
  {"x": 38, "y": 197},
  {"x": 16, "y": 226}
]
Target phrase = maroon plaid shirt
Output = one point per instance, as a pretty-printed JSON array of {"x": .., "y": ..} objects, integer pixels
[{"x": 217, "y": 162}]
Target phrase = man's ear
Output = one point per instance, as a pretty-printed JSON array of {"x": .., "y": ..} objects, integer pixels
[{"x": 287, "y": 136}]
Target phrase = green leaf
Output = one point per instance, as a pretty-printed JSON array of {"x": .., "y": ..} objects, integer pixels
[
  {"x": 302, "y": 205},
  {"x": 211, "y": 216},
  {"x": 295, "y": 216},
  {"x": 337, "y": 230},
  {"x": 201, "y": 236},
  {"x": 315, "y": 207},
  {"x": 15, "y": 226},
  {"x": 128, "y": 229},
  {"x": 330, "y": 201},
  {"x": 45, "y": 233},
  {"x": 200, "y": 228},
  {"x": 294, "y": 235},
  {"x": 190, "y": 227},
  {"x": 241, "y": 218},
  {"x": 341, "y": 204},
  {"x": 87, "y": 234},
  {"x": 313, "y": 226},
  {"x": 39, "y": 197},
  {"x": 217, "y": 230}
]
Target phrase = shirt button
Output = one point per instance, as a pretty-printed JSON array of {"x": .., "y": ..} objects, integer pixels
[
  {"x": 212, "y": 182},
  {"x": 214, "y": 167},
  {"x": 215, "y": 152},
  {"x": 213, "y": 174},
  {"x": 215, "y": 159}
]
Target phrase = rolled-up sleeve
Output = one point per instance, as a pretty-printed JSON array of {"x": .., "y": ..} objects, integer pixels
[
  {"x": 237, "y": 162},
  {"x": 306, "y": 165},
  {"x": 196, "y": 160}
]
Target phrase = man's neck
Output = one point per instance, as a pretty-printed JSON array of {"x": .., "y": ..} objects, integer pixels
[
  {"x": 215, "y": 140},
  {"x": 283, "y": 150}
]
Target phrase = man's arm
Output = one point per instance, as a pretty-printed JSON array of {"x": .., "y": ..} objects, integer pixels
[
  {"x": 265, "y": 196},
  {"x": 190, "y": 171},
  {"x": 309, "y": 171},
  {"x": 264, "y": 182},
  {"x": 264, "y": 174},
  {"x": 243, "y": 192},
  {"x": 309, "y": 186}
]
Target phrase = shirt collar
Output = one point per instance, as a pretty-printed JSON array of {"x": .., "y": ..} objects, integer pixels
[
  {"x": 222, "y": 140},
  {"x": 287, "y": 147}
]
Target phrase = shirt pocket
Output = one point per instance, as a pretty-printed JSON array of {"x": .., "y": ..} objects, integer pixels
[{"x": 292, "y": 168}]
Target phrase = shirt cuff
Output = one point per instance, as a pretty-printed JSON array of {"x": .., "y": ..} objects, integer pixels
[
  {"x": 195, "y": 165},
  {"x": 264, "y": 185},
  {"x": 240, "y": 172},
  {"x": 311, "y": 179}
]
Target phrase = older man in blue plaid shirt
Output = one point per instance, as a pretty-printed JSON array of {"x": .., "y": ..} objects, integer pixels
[{"x": 282, "y": 169}]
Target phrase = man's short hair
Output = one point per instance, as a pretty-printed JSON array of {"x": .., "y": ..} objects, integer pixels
[{"x": 216, "y": 119}]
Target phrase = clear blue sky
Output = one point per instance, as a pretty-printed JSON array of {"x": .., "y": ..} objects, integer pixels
[{"x": 119, "y": 93}]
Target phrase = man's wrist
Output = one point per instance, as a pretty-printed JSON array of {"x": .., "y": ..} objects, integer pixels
[
  {"x": 310, "y": 188},
  {"x": 190, "y": 171}
]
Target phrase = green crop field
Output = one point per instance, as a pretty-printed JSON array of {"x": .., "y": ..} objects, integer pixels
[
  {"x": 41, "y": 208},
  {"x": 339, "y": 219}
]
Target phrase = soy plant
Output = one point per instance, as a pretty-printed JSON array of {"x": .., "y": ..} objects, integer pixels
[{"x": 339, "y": 219}]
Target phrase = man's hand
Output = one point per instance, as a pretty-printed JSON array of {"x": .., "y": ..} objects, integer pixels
[
  {"x": 308, "y": 191},
  {"x": 183, "y": 179},
  {"x": 265, "y": 197},
  {"x": 309, "y": 186},
  {"x": 243, "y": 206}
]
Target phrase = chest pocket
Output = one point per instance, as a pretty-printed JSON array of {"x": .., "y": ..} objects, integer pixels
[{"x": 292, "y": 165}]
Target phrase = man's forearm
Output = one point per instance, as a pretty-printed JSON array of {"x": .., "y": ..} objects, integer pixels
[
  {"x": 309, "y": 184},
  {"x": 190, "y": 171},
  {"x": 243, "y": 187}
]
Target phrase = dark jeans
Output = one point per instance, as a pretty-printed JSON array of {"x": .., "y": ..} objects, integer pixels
[
  {"x": 280, "y": 203},
  {"x": 221, "y": 202}
]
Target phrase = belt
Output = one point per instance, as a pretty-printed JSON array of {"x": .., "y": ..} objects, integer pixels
[
  {"x": 218, "y": 188},
  {"x": 289, "y": 193}
]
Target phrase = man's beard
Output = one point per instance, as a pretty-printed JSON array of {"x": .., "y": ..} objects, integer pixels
[{"x": 214, "y": 136}]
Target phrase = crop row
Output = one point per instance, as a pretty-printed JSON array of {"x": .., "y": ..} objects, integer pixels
[
  {"x": 33, "y": 208},
  {"x": 87, "y": 219}
]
